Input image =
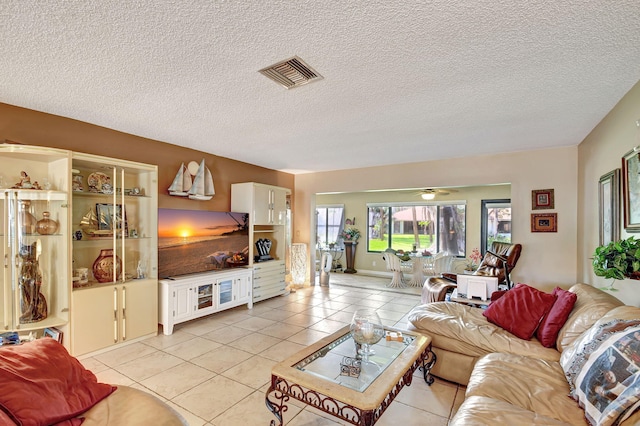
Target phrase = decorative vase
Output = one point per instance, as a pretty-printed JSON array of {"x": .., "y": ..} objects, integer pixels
[
  {"x": 350, "y": 254},
  {"x": 107, "y": 267},
  {"x": 46, "y": 225},
  {"x": 26, "y": 219}
]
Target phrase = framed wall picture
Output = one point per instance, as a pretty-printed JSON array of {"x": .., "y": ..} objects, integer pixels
[
  {"x": 631, "y": 190},
  {"x": 542, "y": 199},
  {"x": 544, "y": 222},
  {"x": 609, "y": 205}
]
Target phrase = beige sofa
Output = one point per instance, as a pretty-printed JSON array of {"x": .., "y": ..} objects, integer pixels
[{"x": 510, "y": 380}]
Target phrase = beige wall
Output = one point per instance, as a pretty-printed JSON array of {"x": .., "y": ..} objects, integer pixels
[
  {"x": 355, "y": 204},
  {"x": 548, "y": 259},
  {"x": 598, "y": 154}
]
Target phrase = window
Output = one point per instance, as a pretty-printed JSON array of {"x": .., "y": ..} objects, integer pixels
[
  {"x": 329, "y": 224},
  {"x": 495, "y": 222},
  {"x": 434, "y": 227}
]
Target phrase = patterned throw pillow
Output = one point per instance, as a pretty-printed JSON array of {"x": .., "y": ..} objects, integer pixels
[{"x": 605, "y": 375}]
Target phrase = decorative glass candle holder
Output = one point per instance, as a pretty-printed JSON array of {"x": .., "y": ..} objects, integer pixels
[{"x": 366, "y": 329}]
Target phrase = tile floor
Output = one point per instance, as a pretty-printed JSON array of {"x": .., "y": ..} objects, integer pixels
[{"x": 215, "y": 370}]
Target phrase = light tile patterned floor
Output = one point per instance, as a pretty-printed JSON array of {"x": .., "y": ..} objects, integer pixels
[{"x": 215, "y": 370}]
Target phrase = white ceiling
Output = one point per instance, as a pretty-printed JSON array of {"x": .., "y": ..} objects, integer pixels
[{"x": 404, "y": 81}]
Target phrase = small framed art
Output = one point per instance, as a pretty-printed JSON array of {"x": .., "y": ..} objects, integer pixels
[
  {"x": 54, "y": 333},
  {"x": 544, "y": 222},
  {"x": 111, "y": 216},
  {"x": 631, "y": 190},
  {"x": 542, "y": 199},
  {"x": 609, "y": 206}
]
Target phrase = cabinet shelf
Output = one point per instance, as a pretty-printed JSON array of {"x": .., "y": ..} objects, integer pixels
[
  {"x": 50, "y": 321},
  {"x": 35, "y": 194},
  {"x": 39, "y": 235},
  {"x": 95, "y": 284},
  {"x": 103, "y": 195},
  {"x": 102, "y": 239}
]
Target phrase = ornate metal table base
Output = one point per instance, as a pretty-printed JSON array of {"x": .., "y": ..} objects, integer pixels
[
  {"x": 427, "y": 364},
  {"x": 283, "y": 390}
]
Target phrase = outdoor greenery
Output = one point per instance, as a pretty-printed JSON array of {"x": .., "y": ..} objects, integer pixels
[
  {"x": 400, "y": 242},
  {"x": 618, "y": 259},
  {"x": 500, "y": 238}
]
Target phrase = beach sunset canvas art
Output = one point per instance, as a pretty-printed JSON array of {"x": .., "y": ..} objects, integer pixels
[{"x": 191, "y": 241}]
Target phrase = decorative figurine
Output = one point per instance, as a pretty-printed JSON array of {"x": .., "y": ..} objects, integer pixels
[
  {"x": 33, "y": 305},
  {"x": 25, "y": 182}
]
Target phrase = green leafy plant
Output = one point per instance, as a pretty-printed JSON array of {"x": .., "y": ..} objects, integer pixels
[{"x": 618, "y": 259}]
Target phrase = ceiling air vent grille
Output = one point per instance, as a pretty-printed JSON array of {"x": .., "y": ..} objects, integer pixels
[{"x": 291, "y": 73}]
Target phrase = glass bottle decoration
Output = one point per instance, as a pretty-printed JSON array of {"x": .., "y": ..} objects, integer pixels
[
  {"x": 46, "y": 225},
  {"x": 26, "y": 220},
  {"x": 107, "y": 267}
]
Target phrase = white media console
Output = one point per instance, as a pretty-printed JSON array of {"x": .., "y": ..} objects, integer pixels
[{"x": 193, "y": 296}]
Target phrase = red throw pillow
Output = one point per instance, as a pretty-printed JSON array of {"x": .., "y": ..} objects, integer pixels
[
  {"x": 497, "y": 295},
  {"x": 42, "y": 384},
  {"x": 520, "y": 310},
  {"x": 551, "y": 324}
]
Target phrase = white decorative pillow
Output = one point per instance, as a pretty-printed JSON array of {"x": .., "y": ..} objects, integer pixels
[{"x": 605, "y": 375}]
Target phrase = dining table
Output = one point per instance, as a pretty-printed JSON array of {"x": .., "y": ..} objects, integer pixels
[{"x": 417, "y": 263}]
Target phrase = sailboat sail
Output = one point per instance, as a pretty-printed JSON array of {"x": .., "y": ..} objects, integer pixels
[
  {"x": 181, "y": 183},
  {"x": 202, "y": 188}
]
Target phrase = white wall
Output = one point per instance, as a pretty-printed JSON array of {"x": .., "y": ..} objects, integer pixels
[
  {"x": 598, "y": 154},
  {"x": 548, "y": 259}
]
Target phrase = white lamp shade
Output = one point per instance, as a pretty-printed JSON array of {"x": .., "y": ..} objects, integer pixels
[
  {"x": 428, "y": 196},
  {"x": 298, "y": 262}
]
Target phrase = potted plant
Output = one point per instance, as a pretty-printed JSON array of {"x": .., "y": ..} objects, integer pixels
[
  {"x": 618, "y": 260},
  {"x": 474, "y": 260},
  {"x": 350, "y": 235}
]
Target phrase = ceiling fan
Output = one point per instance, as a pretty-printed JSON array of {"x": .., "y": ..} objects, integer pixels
[{"x": 430, "y": 193}]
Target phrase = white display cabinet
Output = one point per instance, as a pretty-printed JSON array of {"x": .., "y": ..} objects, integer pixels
[
  {"x": 35, "y": 234},
  {"x": 268, "y": 219},
  {"x": 114, "y": 218},
  {"x": 196, "y": 295}
]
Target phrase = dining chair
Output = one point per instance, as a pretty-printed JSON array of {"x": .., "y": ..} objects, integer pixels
[
  {"x": 429, "y": 267},
  {"x": 393, "y": 264}
]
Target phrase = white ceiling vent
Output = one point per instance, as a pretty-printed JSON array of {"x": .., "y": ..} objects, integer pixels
[{"x": 291, "y": 73}]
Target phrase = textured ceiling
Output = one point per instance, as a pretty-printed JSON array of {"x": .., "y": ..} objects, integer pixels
[{"x": 403, "y": 81}]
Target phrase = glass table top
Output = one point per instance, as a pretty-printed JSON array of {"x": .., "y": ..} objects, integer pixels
[{"x": 326, "y": 362}]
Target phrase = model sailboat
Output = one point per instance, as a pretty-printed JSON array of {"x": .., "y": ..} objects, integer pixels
[
  {"x": 181, "y": 183},
  {"x": 202, "y": 188}
]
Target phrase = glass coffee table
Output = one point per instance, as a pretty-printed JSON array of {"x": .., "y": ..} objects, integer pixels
[{"x": 330, "y": 377}]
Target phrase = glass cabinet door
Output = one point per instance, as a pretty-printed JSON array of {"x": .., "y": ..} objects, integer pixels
[
  {"x": 35, "y": 239},
  {"x": 115, "y": 220},
  {"x": 225, "y": 291},
  {"x": 205, "y": 296}
]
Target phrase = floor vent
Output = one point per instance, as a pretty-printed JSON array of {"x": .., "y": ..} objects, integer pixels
[{"x": 291, "y": 73}]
